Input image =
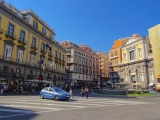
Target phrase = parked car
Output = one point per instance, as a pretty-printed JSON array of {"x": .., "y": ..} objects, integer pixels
[{"x": 55, "y": 93}]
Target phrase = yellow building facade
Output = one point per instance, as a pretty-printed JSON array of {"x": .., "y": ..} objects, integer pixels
[
  {"x": 154, "y": 34},
  {"x": 27, "y": 45}
]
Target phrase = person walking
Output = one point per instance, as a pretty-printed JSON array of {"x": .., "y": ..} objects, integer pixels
[
  {"x": 67, "y": 88},
  {"x": 86, "y": 91},
  {"x": 82, "y": 92},
  {"x": 71, "y": 92}
]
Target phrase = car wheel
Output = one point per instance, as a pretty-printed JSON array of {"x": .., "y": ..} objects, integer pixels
[
  {"x": 41, "y": 96},
  {"x": 56, "y": 98}
]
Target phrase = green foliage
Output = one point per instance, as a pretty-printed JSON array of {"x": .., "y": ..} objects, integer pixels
[{"x": 137, "y": 92}]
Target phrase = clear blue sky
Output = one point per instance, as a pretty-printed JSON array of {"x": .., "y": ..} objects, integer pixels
[{"x": 96, "y": 23}]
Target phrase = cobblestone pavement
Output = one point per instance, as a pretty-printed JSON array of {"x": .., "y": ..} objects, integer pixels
[{"x": 31, "y": 107}]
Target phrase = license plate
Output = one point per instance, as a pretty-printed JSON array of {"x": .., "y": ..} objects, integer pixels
[{"x": 67, "y": 95}]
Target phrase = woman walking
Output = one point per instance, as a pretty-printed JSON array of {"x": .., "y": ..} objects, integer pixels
[
  {"x": 82, "y": 92},
  {"x": 86, "y": 91},
  {"x": 71, "y": 92}
]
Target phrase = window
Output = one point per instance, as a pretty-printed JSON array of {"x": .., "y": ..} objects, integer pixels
[
  {"x": 44, "y": 31},
  {"x": 142, "y": 77},
  {"x": 20, "y": 56},
  {"x": 45, "y": 89},
  {"x": 8, "y": 52},
  {"x": 133, "y": 78},
  {"x": 43, "y": 46},
  {"x": 34, "y": 42},
  {"x": 140, "y": 52},
  {"x": 10, "y": 29},
  {"x": 68, "y": 59},
  {"x": 111, "y": 54},
  {"x": 131, "y": 55},
  {"x": 59, "y": 55},
  {"x": 22, "y": 36},
  {"x": 115, "y": 53},
  {"x": 32, "y": 60},
  {"x": 63, "y": 57},
  {"x": 55, "y": 66},
  {"x": 0, "y": 20},
  {"x": 124, "y": 56},
  {"x": 51, "y": 36},
  {"x": 50, "y": 89},
  {"x": 56, "y": 53},
  {"x": 35, "y": 24}
]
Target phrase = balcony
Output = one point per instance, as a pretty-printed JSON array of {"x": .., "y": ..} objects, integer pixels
[
  {"x": 18, "y": 75},
  {"x": 10, "y": 35},
  {"x": 22, "y": 41},
  {"x": 50, "y": 54},
  {"x": 43, "y": 50},
  {"x": 31, "y": 76},
  {"x": 33, "y": 47},
  {"x": 1, "y": 31},
  {"x": 5, "y": 73},
  {"x": 68, "y": 53}
]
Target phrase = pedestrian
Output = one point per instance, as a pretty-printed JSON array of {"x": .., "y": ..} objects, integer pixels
[
  {"x": 82, "y": 92},
  {"x": 86, "y": 91},
  {"x": 71, "y": 92},
  {"x": 67, "y": 88}
]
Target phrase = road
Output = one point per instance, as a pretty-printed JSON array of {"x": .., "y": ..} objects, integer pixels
[{"x": 97, "y": 107}]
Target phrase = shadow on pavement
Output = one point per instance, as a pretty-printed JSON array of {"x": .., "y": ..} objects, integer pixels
[{"x": 11, "y": 113}]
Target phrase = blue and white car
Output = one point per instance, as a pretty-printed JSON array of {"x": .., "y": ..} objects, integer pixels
[{"x": 55, "y": 93}]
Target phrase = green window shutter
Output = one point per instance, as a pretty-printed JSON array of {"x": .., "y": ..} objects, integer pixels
[
  {"x": 42, "y": 29},
  {"x": 36, "y": 25}
]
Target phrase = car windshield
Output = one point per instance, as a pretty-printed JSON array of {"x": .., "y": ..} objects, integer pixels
[{"x": 58, "y": 90}]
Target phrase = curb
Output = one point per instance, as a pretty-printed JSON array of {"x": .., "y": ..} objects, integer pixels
[{"x": 126, "y": 96}]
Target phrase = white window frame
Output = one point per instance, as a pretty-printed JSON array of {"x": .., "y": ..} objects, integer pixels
[
  {"x": 22, "y": 35},
  {"x": 32, "y": 61},
  {"x": 8, "y": 52},
  {"x": 20, "y": 56},
  {"x": 33, "y": 43},
  {"x": 11, "y": 29},
  {"x": 44, "y": 30}
]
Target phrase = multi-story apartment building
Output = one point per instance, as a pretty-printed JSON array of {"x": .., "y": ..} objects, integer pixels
[
  {"x": 154, "y": 34},
  {"x": 25, "y": 40},
  {"x": 115, "y": 58},
  {"x": 82, "y": 64},
  {"x": 136, "y": 68},
  {"x": 104, "y": 67}
]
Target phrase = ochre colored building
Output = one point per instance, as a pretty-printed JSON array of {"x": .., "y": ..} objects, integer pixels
[
  {"x": 25, "y": 39},
  {"x": 154, "y": 34}
]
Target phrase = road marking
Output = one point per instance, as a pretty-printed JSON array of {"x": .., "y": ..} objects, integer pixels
[
  {"x": 53, "y": 104},
  {"x": 23, "y": 106},
  {"x": 85, "y": 102}
]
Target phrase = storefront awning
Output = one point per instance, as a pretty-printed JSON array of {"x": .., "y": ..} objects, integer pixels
[{"x": 151, "y": 84}]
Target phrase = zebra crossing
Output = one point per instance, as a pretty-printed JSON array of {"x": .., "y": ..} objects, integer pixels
[{"x": 34, "y": 105}]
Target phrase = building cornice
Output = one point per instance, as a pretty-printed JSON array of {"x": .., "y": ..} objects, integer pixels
[{"x": 2, "y": 6}]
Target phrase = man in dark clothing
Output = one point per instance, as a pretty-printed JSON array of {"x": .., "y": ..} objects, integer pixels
[{"x": 67, "y": 88}]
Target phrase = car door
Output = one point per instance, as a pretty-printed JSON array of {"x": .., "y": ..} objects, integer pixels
[
  {"x": 46, "y": 93},
  {"x": 51, "y": 93}
]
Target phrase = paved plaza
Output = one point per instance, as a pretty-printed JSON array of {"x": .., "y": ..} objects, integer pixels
[{"x": 97, "y": 107}]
